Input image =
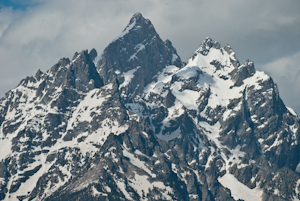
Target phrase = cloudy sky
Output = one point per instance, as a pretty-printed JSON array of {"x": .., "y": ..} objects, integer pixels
[{"x": 35, "y": 34}]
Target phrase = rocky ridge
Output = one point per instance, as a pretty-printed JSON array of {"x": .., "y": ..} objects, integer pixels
[{"x": 140, "y": 125}]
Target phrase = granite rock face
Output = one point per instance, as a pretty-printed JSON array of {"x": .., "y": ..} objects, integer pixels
[
  {"x": 140, "y": 125},
  {"x": 138, "y": 52}
]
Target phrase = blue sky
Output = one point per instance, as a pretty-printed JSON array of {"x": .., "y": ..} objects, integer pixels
[
  {"x": 35, "y": 34},
  {"x": 17, "y": 4}
]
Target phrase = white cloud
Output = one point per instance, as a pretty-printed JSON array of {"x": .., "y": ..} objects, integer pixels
[{"x": 7, "y": 16}]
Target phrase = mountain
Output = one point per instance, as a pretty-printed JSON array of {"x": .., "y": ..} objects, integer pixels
[{"x": 143, "y": 125}]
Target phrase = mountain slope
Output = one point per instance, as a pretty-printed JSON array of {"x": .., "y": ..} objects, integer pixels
[{"x": 141, "y": 126}]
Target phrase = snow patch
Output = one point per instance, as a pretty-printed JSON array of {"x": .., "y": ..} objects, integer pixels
[
  {"x": 174, "y": 57},
  {"x": 292, "y": 111},
  {"x": 122, "y": 187},
  {"x": 97, "y": 193},
  {"x": 5, "y": 150},
  {"x": 140, "y": 47},
  {"x": 239, "y": 190},
  {"x": 136, "y": 162},
  {"x": 128, "y": 76},
  {"x": 142, "y": 185},
  {"x": 169, "y": 135}
]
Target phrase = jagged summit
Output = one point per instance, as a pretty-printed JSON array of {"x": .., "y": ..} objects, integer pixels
[
  {"x": 139, "y": 51},
  {"x": 140, "y": 25},
  {"x": 138, "y": 20},
  {"x": 137, "y": 16},
  {"x": 210, "y": 45},
  {"x": 207, "y": 44},
  {"x": 79, "y": 73}
]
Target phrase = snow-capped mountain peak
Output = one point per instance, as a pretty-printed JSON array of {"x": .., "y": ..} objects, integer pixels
[
  {"x": 212, "y": 50},
  {"x": 141, "y": 126},
  {"x": 207, "y": 44}
]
